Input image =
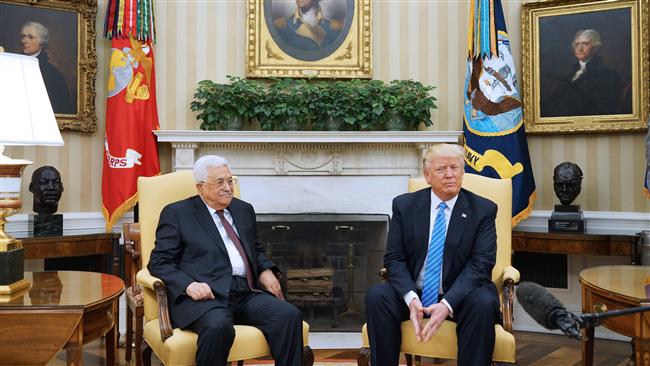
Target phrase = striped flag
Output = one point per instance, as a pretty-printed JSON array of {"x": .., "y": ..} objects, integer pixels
[
  {"x": 495, "y": 138},
  {"x": 646, "y": 182}
]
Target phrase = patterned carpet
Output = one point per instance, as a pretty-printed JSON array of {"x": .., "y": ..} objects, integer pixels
[{"x": 533, "y": 349}]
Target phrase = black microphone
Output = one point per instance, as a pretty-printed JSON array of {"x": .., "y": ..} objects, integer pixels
[{"x": 547, "y": 310}]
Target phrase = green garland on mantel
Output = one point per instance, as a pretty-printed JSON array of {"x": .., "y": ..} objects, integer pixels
[{"x": 299, "y": 104}]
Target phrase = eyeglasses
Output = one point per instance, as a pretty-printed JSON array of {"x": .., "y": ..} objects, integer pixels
[{"x": 221, "y": 183}]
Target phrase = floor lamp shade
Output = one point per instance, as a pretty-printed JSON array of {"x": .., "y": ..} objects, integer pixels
[{"x": 26, "y": 118}]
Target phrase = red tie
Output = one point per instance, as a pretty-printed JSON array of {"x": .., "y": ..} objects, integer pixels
[{"x": 235, "y": 240}]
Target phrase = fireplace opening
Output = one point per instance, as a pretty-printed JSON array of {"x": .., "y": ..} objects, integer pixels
[{"x": 329, "y": 261}]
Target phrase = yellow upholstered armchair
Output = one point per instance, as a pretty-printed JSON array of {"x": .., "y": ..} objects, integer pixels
[
  {"x": 504, "y": 276},
  {"x": 175, "y": 347}
]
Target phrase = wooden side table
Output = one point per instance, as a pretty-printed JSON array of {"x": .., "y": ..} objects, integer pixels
[
  {"x": 74, "y": 246},
  {"x": 613, "y": 288},
  {"x": 60, "y": 309},
  {"x": 580, "y": 244}
]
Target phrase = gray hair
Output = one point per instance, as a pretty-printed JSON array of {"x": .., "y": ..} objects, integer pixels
[
  {"x": 590, "y": 34},
  {"x": 446, "y": 150},
  {"x": 42, "y": 31},
  {"x": 209, "y": 161}
]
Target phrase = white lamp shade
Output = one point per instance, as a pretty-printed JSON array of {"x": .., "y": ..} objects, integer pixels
[{"x": 26, "y": 115}]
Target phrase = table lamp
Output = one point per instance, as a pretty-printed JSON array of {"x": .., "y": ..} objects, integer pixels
[{"x": 26, "y": 118}]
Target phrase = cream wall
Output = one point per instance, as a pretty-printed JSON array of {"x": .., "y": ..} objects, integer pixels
[{"x": 419, "y": 39}]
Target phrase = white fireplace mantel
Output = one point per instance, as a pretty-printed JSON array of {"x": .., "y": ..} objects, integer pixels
[{"x": 280, "y": 153}]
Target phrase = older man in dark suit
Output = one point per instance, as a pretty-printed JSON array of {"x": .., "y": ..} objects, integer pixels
[
  {"x": 209, "y": 256},
  {"x": 439, "y": 256}
]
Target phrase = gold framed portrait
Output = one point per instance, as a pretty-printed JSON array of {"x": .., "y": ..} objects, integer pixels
[
  {"x": 585, "y": 66},
  {"x": 309, "y": 38},
  {"x": 61, "y": 34}
]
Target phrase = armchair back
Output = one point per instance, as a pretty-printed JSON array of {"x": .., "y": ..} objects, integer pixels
[
  {"x": 154, "y": 193},
  {"x": 498, "y": 191}
]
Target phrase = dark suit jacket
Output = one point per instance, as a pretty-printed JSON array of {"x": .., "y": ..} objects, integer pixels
[
  {"x": 189, "y": 248},
  {"x": 470, "y": 246}
]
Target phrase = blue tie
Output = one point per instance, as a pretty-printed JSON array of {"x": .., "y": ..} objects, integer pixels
[{"x": 433, "y": 265}]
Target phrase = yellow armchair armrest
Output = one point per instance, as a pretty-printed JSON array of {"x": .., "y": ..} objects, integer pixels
[
  {"x": 145, "y": 279},
  {"x": 510, "y": 273}
]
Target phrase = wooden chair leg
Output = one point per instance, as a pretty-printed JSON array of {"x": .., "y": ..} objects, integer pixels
[
  {"x": 129, "y": 334},
  {"x": 307, "y": 356},
  {"x": 138, "y": 339},
  {"x": 240, "y": 363},
  {"x": 146, "y": 355},
  {"x": 363, "y": 359},
  {"x": 409, "y": 359}
]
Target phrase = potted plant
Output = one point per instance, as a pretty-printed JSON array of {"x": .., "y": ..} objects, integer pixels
[
  {"x": 328, "y": 105},
  {"x": 344, "y": 104},
  {"x": 226, "y": 106},
  {"x": 407, "y": 103},
  {"x": 366, "y": 104},
  {"x": 287, "y": 105}
]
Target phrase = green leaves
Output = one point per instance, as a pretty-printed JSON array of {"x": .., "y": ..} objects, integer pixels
[
  {"x": 360, "y": 104},
  {"x": 411, "y": 99}
]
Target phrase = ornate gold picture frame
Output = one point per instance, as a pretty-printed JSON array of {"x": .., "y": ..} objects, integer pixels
[
  {"x": 61, "y": 34},
  {"x": 337, "y": 44},
  {"x": 585, "y": 66}
]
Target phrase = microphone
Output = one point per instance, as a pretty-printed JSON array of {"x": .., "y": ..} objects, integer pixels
[{"x": 547, "y": 310}]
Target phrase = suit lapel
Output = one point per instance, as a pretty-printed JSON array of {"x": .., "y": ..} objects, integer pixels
[
  {"x": 421, "y": 218},
  {"x": 457, "y": 223},
  {"x": 207, "y": 223}
]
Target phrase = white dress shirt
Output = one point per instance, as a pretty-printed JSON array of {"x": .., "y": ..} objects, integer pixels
[
  {"x": 236, "y": 261},
  {"x": 435, "y": 202}
]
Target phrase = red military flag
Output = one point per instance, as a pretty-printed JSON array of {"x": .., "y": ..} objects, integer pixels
[{"x": 130, "y": 149}]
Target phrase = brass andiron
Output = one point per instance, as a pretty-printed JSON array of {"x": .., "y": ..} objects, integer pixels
[{"x": 350, "y": 307}]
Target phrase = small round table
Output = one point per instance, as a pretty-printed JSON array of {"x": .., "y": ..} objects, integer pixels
[
  {"x": 614, "y": 288},
  {"x": 59, "y": 309}
]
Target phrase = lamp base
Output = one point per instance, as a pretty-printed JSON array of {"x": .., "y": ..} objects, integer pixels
[
  {"x": 12, "y": 270},
  {"x": 14, "y": 287}
]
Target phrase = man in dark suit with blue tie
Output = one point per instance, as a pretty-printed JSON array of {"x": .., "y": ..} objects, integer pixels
[
  {"x": 439, "y": 256},
  {"x": 209, "y": 255}
]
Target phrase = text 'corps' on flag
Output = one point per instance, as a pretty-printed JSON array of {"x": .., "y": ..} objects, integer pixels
[
  {"x": 495, "y": 139},
  {"x": 130, "y": 149}
]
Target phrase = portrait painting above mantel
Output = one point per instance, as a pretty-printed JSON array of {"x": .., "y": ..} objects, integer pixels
[
  {"x": 309, "y": 38},
  {"x": 585, "y": 65}
]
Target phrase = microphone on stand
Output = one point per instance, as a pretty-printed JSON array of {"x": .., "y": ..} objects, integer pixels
[{"x": 549, "y": 312}]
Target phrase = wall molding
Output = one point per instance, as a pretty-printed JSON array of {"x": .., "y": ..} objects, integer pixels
[
  {"x": 598, "y": 222},
  {"x": 74, "y": 223}
]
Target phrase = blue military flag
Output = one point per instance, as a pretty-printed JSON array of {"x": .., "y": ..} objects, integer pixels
[{"x": 495, "y": 138}]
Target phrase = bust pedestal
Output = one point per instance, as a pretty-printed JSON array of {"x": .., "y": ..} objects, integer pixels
[
  {"x": 567, "y": 219},
  {"x": 45, "y": 225}
]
